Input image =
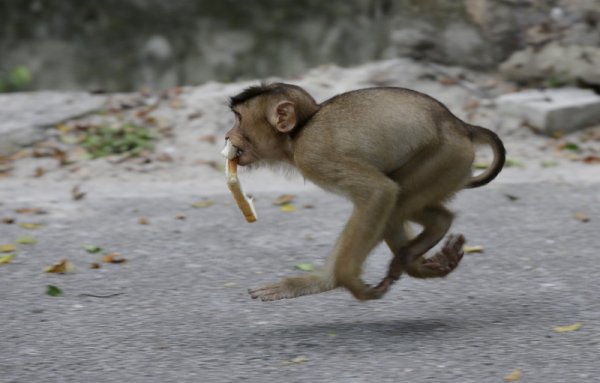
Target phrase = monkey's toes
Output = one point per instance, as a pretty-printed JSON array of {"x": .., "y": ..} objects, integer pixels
[{"x": 269, "y": 293}]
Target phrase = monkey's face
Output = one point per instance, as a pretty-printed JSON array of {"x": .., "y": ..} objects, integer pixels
[{"x": 253, "y": 136}]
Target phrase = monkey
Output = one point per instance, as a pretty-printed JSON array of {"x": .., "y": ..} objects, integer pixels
[{"x": 397, "y": 154}]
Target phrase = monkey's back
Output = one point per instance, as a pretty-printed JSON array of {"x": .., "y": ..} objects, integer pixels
[{"x": 393, "y": 123}]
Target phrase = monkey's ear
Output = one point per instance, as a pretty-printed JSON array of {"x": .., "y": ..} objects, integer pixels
[{"x": 283, "y": 116}]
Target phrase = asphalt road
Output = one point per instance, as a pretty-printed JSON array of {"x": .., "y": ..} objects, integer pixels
[{"x": 182, "y": 314}]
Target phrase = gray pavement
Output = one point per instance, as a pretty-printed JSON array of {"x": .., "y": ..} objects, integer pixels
[{"x": 183, "y": 314}]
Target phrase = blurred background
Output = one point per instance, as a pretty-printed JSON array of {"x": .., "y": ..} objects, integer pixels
[{"x": 124, "y": 45}]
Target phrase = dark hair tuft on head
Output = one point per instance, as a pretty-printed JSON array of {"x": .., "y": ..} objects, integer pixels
[{"x": 255, "y": 91}]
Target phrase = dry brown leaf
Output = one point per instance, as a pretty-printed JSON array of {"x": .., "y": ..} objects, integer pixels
[
  {"x": 514, "y": 376},
  {"x": 143, "y": 221},
  {"x": 309, "y": 206},
  {"x": 210, "y": 138},
  {"x": 591, "y": 159},
  {"x": 39, "y": 172},
  {"x": 580, "y": 216},
  {"x": 63, "y": 266},
  {"x": 113, "y": 258},
  {"x": 473, "y": 249},
  {"x": 76, "y": 193},
  {"x": 8, "y": 220},
  {"x": 445, "y": 80},
  {"x": 95, "y": 265},
  {"x": 165, "y": 157},
  {"x": 194, "y": 115},
  {"x": 180, "y": 217},
  {"x": 31, "y": 210},
  {"x": 284, "y": 199}
]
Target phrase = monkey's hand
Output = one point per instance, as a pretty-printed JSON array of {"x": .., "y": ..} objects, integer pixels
[{"x": 442, "y": 263}]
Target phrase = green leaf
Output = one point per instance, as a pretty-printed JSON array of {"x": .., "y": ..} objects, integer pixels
[
  {"x": 26, "y": 240},
  {"x": 30, "y": 226},
  {"x": 514, "y": 163},
  {"x": 305, "y": 266},
  {"x": 203, "y": 204},
  {"x": 549, "y": 164},
  {"x": 53, "y": 291},
  {"x": 92, "y": 249},
  {"x": 8, "y": 248},
  {"x": 571, "y": 146},
  {"x": 287, "y": 208},
  {"x": 6, "y": 258}
]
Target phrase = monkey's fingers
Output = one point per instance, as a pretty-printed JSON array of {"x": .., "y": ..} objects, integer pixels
[
  {"x": 446, "y": 260},
  {"x": 245, "y": 203}
]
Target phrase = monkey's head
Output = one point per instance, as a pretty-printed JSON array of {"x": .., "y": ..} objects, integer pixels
[{"x": 266, "y": 119}]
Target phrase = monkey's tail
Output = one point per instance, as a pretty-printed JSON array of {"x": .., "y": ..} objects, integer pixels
[{"x": 485, "y": 136}]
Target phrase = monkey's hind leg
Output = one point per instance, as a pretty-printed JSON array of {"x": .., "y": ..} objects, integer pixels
[{"x": 292, "y": 287}]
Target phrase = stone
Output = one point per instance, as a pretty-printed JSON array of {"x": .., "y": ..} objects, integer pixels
[{"x": 553, "y": 111}]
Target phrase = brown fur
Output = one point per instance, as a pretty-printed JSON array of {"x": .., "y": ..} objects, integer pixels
[{"x": 397, "y": 154}]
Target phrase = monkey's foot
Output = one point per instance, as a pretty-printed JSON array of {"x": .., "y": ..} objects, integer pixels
[
  {"x": 291, "y": 287},
  {"x": 442, "y": 263},
  {"x": 272, "y": 292},
  {"x": 381, "y": 289}
]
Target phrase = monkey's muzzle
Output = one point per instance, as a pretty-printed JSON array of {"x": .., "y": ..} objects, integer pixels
[{"x": 244, "y": 202}]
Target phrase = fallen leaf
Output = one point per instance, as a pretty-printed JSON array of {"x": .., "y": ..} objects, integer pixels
[
  {"x": 287, "y": 208},
  {"x": 31, "y": 210},
  {"x": 143, "y": 221},
  {"x": 308, "y": 206},
  {"x": 30, "y": 226},
  {"x": 230, "y": 284},
  {"x": 549, "y": 164},
  {"x": 569, "y": 146},
  {"x": 63, "y": 266},
  {"x": 446, "y": 80},
  {"x": 92, "y": 249},
  {"x": 473, "y": 249},
  {"x": 8, "y": 248},
  {"x": 203, "y": 204},
  {"x": 194, "y": 115},
  {"x": 113, "y": 258},
  {"x": 568, "y": 328},
  {"x": 39, "y": 172},
  {"x": 165, "y": 157},
  {"x": 581, "y": 217},
  {"x": 8, "y": 220},
  {"x": 76, "y": 193},
  {"x": 6, "y": 258},
  {"x": 305, "y": 266},
  {"x": 210, "y": 138},
  {"x": 180, "y": 217},
  {"x": 511, "y": 197},
  {"x": 284, "y": 199},
  {"x": 481, "y": 165},
  {"x": 514, "y": 376},
  {"x": 299, "y": 359},
  {"x": 514, "y": 163},
  {"x": 591, "y": 159},
  {"x": 26, "y": 240},
  {"x": 331, "y": 334},
  {"x": 95, "y": 265},
  {"x": 53, "y": 291}
]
